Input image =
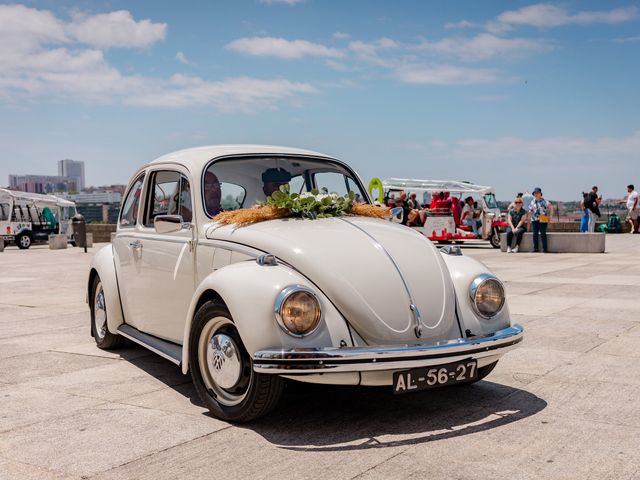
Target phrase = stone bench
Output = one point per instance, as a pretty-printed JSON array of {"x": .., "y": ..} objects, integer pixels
[{"x": 561, "y": 242}]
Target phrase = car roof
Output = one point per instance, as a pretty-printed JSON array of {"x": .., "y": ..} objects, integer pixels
[{"x": 197, "y": 157}]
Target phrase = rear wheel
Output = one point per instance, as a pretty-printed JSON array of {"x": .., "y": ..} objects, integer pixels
[
  {"x": 494, "y": 240},
  {"x": 99, "y": 329},
  {"x": 24, "y": 240},
  {"x": 222, "y": 370}
]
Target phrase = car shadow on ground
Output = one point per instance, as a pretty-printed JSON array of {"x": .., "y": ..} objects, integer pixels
[{"x": 337, "y": 418}]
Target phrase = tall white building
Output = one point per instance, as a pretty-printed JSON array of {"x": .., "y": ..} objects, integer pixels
[{"x": 72, "y": 169}]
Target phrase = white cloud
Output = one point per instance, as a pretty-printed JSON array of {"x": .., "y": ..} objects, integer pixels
[
  {"x": 341, "y": 36},
  {"x": 460, "y": 24},
  {"x": 484, "y": 46},
  {"x": 243, "y": 94},
  {"x": 23, "y": 28},
  {"x": 42, "y": 56},
  {"x": 182, "y": 58},
  {"x": 282, "y": 48},
  {"x": 287, "y": 2},
  {"x": 626, "y": 40},
  {"x": 370, "y": 52},
  {"x": 115, "y": 30},
  {"x": 445, "y": 75},
  {"x": 547, "y": 16}
]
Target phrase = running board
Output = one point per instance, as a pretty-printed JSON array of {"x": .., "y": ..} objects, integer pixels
[{"x": 168, "y": 350}]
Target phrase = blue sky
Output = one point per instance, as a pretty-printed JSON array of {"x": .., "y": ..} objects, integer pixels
[{"x": 509, "y": 94}]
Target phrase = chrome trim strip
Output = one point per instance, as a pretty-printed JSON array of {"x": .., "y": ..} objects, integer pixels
[
  {"x": 418, "y": 324},
  {"x": 168, "y": 350},
  {"x": 356, "y": 359}
]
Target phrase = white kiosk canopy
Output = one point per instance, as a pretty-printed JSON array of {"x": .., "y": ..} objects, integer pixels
[{"x": 452, "y": 186}]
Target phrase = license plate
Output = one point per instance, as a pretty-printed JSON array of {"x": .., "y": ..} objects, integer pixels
[{"x": 416, "y": 379}]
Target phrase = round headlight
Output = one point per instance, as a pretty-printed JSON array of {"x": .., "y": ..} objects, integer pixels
[
  {"x": 487, "y": 295},
  {"x": 298, "y": 310}
]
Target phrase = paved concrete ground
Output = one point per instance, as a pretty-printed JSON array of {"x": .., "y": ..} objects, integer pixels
[{"x": 565, "y": 405}]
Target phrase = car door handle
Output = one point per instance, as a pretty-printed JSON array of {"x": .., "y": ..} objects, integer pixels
[{"x": 136, "y": 245}]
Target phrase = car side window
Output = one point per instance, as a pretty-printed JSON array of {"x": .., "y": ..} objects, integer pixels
[
  {"x": 129, "y": 211},
  {"x": 169, "y": 194}
]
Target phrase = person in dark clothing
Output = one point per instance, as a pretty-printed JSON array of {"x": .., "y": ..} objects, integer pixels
[
  {"x": 517, "y": 219},
  {"x": 591, "y": 203}
]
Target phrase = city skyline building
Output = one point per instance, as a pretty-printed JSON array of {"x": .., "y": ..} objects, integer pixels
[
  {"x": 70, "y": 178},
  {"x": 72, "y": 169}
]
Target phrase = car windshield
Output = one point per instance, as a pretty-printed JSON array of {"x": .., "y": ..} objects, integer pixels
[
  {"x": 241, "y": 183},
  {"x": 490, "y": 200}
]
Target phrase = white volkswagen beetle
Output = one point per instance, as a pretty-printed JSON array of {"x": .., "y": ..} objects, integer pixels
[{"x": 347, "y": 300}]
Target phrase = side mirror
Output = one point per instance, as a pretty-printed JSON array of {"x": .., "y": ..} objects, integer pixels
[
  {"x": 396, "y": 215},
  {"x": 168, "y": 223}
]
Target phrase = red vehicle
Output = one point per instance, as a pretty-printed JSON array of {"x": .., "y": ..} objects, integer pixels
[{"x": 443, "y": 201}]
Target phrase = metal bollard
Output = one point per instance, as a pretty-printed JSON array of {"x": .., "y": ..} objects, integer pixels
[{"x": 79, "y": 231}]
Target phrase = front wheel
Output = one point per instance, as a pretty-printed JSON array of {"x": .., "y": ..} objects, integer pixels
[
  {"x": 222, "y": 370},
  {"x": 23, "y": 241},
  {"x": 494, "y": 240}
]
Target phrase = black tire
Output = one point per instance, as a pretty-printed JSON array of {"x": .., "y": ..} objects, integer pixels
[
  {"x": 99, "y": 329},
  {"x": 248, "y": 395},
  {"x": 24, "y": 240},
  {"x": 494, "y": 239}
]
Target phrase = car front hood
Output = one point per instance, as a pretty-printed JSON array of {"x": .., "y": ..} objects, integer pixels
[{"x": 372, "y": 270}]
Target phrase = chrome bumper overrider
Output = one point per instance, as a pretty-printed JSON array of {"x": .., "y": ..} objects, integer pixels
[{"x": 358, "y": 359}]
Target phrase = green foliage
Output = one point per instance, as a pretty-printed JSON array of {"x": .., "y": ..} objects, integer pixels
[{"x": 311, "y": 204}]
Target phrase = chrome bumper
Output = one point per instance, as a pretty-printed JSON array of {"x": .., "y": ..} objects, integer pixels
[{"x": 358, "y": 359}]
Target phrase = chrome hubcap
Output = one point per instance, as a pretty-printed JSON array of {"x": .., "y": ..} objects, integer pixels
[
  {"x": 25, "y": 241},
  {"x": 100, "y": 313},
  {"x": 224, "y": 371},
  {"x": 223, "y": 360}
]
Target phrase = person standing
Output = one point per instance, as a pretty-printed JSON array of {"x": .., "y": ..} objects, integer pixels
[
  {"x": 584, "y": 216},
  {"x": 592, "y": 205},
  {"x": 540, "y": 212},
  {"x": 517, "y": 217},
  {"x": 633, "y": 209}
]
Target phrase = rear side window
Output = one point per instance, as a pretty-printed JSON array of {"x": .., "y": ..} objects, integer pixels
[
  {"x": 131, "y": 204},
  {"x": 169, "y": 194}
]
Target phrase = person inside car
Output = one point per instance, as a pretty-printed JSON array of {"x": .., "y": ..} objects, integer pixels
[
  {"x": 212, "y": 194},
  {"x": 273, "y": 179}
]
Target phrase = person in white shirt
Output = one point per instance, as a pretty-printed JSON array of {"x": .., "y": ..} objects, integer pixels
[
  {"x": 633, "y": 209},
  {"x": 469, "y": 214}
]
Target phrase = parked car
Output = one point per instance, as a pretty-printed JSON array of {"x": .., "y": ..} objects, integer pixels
[
  {"x": 345, "y": 300},
  {"x": 27, "y": 217}
]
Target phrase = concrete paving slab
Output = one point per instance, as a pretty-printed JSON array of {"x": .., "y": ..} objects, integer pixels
[
  {"x": 552, "y": 448},
  {"x": 42, "y": 341},
  {"x": 97, "y": 439},
  {"x": 31, "y": 367},
  {"x": 24, "y": 405},
  {"x": 113, "y": 382},
  {"x": 17, "y": 470},
  {"x": 562, "y": 406}
]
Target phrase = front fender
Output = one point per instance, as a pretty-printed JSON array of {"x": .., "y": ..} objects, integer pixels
[
  {"x": 463, "y": 271},
  {"x": 102, "y": 264},
  {"x": 249, "y": 290}
]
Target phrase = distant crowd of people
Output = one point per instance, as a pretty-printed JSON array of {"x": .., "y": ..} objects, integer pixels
[
  {"x": 465, "y": 212},
  {"x": 590, "y": 206},
  {"x": 534, "y": 210}
]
